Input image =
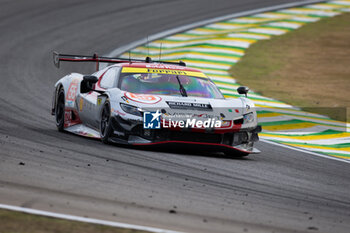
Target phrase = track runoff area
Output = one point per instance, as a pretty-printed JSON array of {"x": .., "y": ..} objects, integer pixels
[{"x": 215, "y": 47}]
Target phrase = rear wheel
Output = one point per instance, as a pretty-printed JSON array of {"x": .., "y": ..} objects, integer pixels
[
  {"x": 59, "y": 110},
  {"x": 105, "y": 125}
]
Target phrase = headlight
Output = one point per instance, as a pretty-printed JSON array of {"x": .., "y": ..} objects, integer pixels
[
  {"x": 131, "y": 109},
  {"x": 248, "y": 118}
]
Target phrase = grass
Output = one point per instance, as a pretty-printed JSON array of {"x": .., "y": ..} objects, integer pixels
[
  {"x": 308, "y": 67},
  {"x": 18, "y": 222}
]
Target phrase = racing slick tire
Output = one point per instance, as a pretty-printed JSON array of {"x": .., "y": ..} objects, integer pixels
[
  {"x": 60, "y": 110},
  {"x": 106, "y": 123}
]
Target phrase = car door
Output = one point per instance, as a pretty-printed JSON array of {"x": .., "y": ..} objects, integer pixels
[
  {"x": 88, "y": 103},
  {"x": 107, "y": 80}
]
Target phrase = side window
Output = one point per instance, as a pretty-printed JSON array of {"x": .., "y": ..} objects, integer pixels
[{"x": 108, "y": 79}]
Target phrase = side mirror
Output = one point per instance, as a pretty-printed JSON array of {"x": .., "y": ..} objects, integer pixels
[
  {"x": 243, "y": 90},
  {"x": 87, "y": 84}
]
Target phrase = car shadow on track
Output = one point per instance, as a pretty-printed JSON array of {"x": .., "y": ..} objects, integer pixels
[
  {"x": 188, "y": 150},
  {"x": 179, "y": 149}
]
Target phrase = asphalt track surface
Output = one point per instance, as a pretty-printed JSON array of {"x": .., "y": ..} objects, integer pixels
[{"x": 279, "y": 190}]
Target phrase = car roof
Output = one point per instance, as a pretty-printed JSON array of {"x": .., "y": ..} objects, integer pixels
[{"x": 155, "y": 65}]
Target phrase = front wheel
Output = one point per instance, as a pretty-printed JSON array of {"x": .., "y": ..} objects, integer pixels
[
  {"x": 60, "y": 110},
  {"x": 106, "y": 125}
]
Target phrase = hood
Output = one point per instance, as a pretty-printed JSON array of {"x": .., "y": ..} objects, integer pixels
[{"x": 221, "y": 109}]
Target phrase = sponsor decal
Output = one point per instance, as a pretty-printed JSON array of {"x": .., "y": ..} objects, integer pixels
[
  {"x": 67, "y": 117},
  {"x": 190, "y": 115},
  {"x": 192, "y": 123},
  {"x": 99, "y": 100},
  {"x": 118, "y": 112},
  {"x": 164, "y": 66},
  {"x": 151, "y": 120},
  {"x": 162, "y": 71},
  {"x": 188, "y": 105},
  {"x": 143, "y": 98},
  {"x": 72, "y": 90},
  {"x": 125, "y": 99},
  {"x": 81, "y": 104},
  {"x": 236, "y": 110}
]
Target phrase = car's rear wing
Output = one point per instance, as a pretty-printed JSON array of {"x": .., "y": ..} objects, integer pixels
[{"x": 58, "y": 57}]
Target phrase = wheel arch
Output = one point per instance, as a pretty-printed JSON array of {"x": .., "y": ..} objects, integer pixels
[
  {"x": 58, "y": 87},
  {"x": 65, "y": 83}
]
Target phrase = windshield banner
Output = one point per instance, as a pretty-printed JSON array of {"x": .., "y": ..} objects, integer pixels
[{"x": 162, "y": 71}]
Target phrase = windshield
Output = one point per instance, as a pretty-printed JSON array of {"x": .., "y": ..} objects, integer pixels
[{"x": 168, "y": 84}]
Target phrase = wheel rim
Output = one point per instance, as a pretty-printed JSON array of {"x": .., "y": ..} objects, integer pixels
[
  {"x": 60, "y": 109},
  {"x": 105, "y": 120}
]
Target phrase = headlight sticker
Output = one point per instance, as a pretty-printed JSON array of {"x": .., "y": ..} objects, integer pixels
[{"x": 142, "y": 98}]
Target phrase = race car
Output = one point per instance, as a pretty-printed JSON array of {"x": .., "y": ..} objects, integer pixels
[{"x": 143, "y": 102}]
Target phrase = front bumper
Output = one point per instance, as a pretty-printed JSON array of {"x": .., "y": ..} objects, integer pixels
[{"x": 132, "y": 133}]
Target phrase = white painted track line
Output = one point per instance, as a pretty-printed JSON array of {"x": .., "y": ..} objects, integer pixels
[
  {"x": 84, "y": 219},
  {"x": 125, "y": 48},
  {"x": 305, "y": 151}
]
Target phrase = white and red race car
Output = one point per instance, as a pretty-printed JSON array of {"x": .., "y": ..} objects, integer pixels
[{"x": 141, "y": 102}]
